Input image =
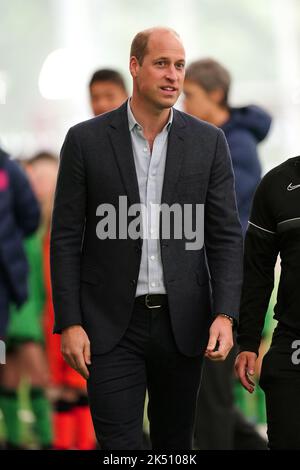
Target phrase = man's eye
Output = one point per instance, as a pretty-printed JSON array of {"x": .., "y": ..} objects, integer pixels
[
  {"x": 180, "y": 66},
  {"x": 161, "y": 62}
]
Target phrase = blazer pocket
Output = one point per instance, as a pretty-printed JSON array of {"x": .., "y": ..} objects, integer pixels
[{"x": 90, "y": 275}]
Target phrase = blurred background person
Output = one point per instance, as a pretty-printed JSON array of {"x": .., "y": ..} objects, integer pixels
[
  {"x": 72, "y": 424},
  {"x": 20, "y": 216},
  {"x": 206, "y": 92},
  {"x": 26, "y": 358},
  {"x": 107, "y": 91}
]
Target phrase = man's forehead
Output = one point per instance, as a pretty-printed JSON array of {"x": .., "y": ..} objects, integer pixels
[{"x": 164, "y": 45}]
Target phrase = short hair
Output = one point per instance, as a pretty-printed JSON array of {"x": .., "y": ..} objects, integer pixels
[
  {"x": 108, "y": 75},
  {"x": 210, "y": 75},
  {"x": 139, "y": 45},
  {"x": 41, "y": 156}
]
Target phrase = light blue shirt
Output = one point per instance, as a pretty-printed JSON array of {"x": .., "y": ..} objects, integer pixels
[{"x": 150, "y": 170}]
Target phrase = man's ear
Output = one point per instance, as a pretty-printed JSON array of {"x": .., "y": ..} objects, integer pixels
[{"x": 134, "y": 66}]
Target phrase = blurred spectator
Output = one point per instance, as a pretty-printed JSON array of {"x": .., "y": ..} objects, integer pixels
[
  {"x": 207, "y": 86},
  {"x": 25, "y": 335},
  {"x": 19, "y": 215},
  {"x": 107, "y": 91},
  {"x": 219, "y": 424},
  {"x": 72, "y": 422}
]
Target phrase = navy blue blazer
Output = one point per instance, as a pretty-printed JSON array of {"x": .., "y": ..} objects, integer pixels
[{"x": 94, "y": 281}]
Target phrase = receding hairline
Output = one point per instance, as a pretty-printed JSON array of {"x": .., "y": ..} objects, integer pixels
[{"x": 139, "y": 45}]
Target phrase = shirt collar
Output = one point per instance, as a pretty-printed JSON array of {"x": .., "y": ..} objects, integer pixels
[{"x": 133, "y": 122}]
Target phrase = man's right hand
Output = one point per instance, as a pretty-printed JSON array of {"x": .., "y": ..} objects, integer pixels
[
  {"x": 244, "y": 369},
  {"x": 75, "y": 348}
]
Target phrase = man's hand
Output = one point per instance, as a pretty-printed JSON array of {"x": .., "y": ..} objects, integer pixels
[
  {"x": 245, "y": 367},
  {"x": 221, "y": 332},
  {"x": 75, "y": 348}
]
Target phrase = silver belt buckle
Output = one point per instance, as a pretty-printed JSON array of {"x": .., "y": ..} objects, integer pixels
[{"x": 150, "y": 306}]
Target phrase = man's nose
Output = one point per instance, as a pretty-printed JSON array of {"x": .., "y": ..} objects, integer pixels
[{"x": 171, "y": 73}]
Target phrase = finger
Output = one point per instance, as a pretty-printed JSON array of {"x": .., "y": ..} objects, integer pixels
[
  {"x": 87, "y": 353},
  {"x": 242, "y": 375},
  {"x": 213, "y": 338},
  {"x": 213, "y": 356},
  {"x": 69, "y": 360},
  {"x": 222, "y": 352},
  {"x": 81, "y": 366},
  {"x": 224, "y": 347},
  {"x": 251, "y": 365},
  {"x": 216, "y": 356}
]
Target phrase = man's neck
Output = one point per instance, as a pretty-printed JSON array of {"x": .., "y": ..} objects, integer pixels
[{"x": 151, "y": 119}]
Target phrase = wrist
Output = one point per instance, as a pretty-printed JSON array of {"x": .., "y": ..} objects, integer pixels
[{"x": 228, "y": 317}]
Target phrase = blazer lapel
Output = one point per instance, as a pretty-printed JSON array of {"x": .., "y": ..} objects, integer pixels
[
  {"x": 121, "y": 141},
  {"x": 175, "y": 154}
]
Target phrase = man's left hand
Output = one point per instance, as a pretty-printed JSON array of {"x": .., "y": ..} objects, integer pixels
[{"x": 221, "y": 332}]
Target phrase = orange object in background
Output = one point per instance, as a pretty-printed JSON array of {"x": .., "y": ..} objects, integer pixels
[{"x": 73, "y": 429}]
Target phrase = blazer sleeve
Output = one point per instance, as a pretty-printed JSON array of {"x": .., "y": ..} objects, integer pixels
[
  {"x": 223, "y": 234},
  {"x": 67, "y": 230}
]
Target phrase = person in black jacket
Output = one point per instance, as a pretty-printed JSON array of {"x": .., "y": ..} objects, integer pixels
[
  {"x": 274, "y": 228},
  {"x": 220, "y": 424},
  {"x": 19, "y": 216}
]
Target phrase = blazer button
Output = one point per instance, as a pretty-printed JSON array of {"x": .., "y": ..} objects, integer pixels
[{"x": 133, "y": 282}]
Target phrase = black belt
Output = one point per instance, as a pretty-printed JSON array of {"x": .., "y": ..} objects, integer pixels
[{"x": 153, "y": 300}]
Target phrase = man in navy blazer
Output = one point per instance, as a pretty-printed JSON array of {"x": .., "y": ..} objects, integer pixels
[{"x": 139, "y": 312}]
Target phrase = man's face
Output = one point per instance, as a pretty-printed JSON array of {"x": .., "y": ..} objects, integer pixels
[
  {"x": 159, "y": 80},
  {"x": 106, "y": 96},
  {"x": 197, "y": 101},
  {"x": 42, "y": 176}
]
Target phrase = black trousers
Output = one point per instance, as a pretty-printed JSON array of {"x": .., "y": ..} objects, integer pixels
[
  {"x": 280, "y": 380},
  {"x": 146, "y": 357}
]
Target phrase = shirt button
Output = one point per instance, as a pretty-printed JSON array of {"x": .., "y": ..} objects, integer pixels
[
  {"x": 145, "y": 149},
  {"x": 152, "y": 257},
  {"x": 152, "y": 284}
]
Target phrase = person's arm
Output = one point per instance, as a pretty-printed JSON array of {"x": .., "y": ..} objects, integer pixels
[
  {"x": 224, "y": 249},
  {"x": 261, "y": 251},
  {"x": 25, "y": 204},
  {"x": 68, "y": 221},
  {"x": 67, "y": 230}
]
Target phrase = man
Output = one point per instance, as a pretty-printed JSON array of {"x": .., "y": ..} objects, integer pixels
[
  {"x": 206, "y": 88},
  {"x": 273, "y": 229},
  {"x": 143, "y": 306},
  {"x": 107, "y": 91}
]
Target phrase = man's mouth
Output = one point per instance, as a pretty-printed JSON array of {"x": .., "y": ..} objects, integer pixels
[{"x": 168, "y": 89}]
